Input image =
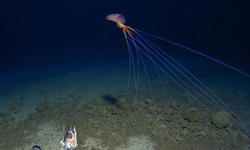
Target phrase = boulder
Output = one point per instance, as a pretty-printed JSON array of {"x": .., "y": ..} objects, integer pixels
[
  {"x": 221, "y": 119},
  {"x": 192, "y": 114}
]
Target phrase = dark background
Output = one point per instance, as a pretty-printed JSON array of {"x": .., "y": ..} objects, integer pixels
[{"x": 63, "y": 32}]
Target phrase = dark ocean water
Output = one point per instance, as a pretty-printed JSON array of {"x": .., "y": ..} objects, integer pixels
[{"x": 63, "y": 34}]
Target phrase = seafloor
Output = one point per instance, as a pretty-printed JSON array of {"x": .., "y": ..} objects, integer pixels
[{"x": 106, "y": 117}]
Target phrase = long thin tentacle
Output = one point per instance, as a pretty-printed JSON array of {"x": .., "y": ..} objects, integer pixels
[
  {"x": 197, "y": 52},
  {"x": 134, "y": 35},
  {"x": 191, "y": 76}
]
